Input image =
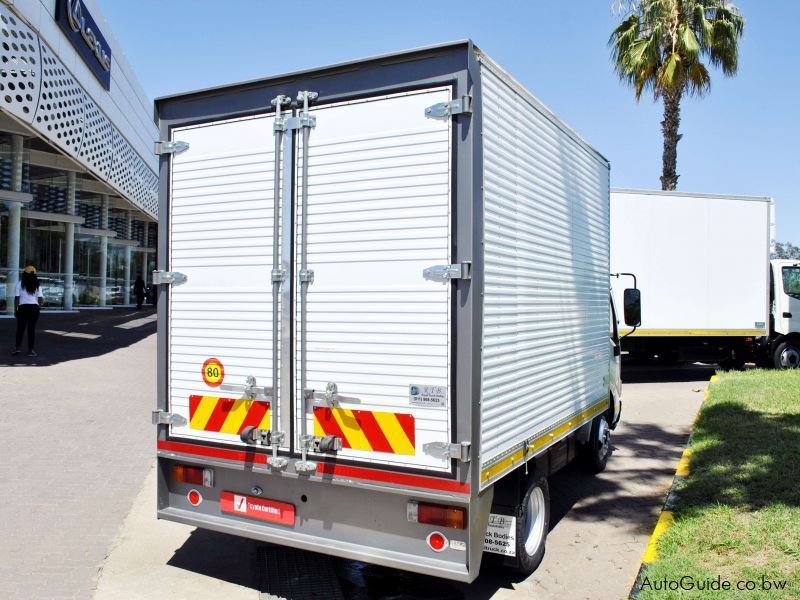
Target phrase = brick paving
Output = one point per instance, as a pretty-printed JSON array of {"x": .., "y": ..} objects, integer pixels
[{"x": 75, "y": 425}]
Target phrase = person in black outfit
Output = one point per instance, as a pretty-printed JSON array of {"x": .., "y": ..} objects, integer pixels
[
  {"x": 28, "y": 298},
  {"x": 138, "y": 291}
]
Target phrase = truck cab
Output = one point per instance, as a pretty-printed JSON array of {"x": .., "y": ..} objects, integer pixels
[{"x": 785, "y": 291}]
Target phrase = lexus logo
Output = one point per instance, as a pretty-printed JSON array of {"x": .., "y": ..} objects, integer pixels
[{"x": 79, "y": 25}]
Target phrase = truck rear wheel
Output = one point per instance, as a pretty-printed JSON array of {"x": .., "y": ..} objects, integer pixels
[
  {"x": 598, "y": 448},
  {"x": 532, "y": 526},
  {"x": 787, "y": 355}
]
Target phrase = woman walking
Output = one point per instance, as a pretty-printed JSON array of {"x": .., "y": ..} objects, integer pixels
[{"x": 27, "y": 299}]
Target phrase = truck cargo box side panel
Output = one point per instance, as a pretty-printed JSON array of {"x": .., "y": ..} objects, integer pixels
[
  {"x": 701, "y": 261},
  {"x": 378, "y": 215},
  {"x": 221, "y": 238},
  {"x": 546, "y": 320}
]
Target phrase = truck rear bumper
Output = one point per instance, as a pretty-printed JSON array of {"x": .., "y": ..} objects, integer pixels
[
  {"x": 357, "y": 523},
  {"x": 370, "y": 554}
]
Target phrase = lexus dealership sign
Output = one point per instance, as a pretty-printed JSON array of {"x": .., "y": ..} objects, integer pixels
[{"x": 78, "y": 25}]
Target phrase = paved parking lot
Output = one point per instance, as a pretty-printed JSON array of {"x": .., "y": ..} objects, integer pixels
[
  {"x": 76, "y": 445},
  {"x": 81, "y": 498}
]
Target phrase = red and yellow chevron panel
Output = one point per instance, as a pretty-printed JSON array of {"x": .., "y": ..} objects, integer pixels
[
  {"x": 227, "y": 415},
  {"x": 367, "y": 430}
]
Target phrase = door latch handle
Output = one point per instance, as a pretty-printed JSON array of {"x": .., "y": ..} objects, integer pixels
[
  {"x": 330, "y": 396},
  {"x": 445, "y": 273},
  {"x": 249, "y": 389}
]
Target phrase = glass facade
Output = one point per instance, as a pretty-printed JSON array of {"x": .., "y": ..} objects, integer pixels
[{"x": 50, "y": 215}]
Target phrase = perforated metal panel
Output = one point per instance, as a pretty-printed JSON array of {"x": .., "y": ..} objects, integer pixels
[
  {"x": 36, "y": 87},
  {"x": 96, "y": 147},
  {"x": 19, "y": 70},
  {"x": 60, "y": 109}
]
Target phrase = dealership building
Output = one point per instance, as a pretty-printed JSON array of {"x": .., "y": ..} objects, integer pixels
[{"x": 78, "y": 183}]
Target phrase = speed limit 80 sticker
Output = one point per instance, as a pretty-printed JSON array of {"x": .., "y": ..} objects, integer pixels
[{"x": 213, "y": 372}]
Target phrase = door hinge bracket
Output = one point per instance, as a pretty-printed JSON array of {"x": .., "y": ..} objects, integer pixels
[
  {"x": 172, "y": 147},
  {"x": 445, "y": 110},
  {"x": 447, "y": 450},
  {"x": 168, "y": 278},
  {"x": 159, "y": 417},
  {"x": 445, "y": 273}
]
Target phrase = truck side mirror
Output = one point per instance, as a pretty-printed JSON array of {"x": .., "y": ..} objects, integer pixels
[{"x": 632, "y": 307}]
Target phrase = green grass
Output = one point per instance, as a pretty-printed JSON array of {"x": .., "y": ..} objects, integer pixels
[{"x": 738, "y": 514}]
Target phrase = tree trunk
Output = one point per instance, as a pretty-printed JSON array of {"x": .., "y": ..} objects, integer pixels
[{"x": 669, "y": 127}]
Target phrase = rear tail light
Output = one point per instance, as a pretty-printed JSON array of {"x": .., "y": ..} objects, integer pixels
[
  {"x": 193, "y": 475},
  {"x": 437, "y": 514}
]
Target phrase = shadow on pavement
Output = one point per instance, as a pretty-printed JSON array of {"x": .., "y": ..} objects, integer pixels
[
  {"x": 63, "y": 337},
  {"x": 221, "y": 556},
  {"x": 634, "y": 371}
]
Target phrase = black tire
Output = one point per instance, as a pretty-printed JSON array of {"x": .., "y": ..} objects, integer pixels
[
  {"x": 786, "y": 355},
  {"x": 732, "y": 364},
  {"x": 533, "y": 524},
  {"x": 598, "y": 448}
]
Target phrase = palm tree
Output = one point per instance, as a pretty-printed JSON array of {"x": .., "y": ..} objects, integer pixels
[{"x": 660, "y": 46}]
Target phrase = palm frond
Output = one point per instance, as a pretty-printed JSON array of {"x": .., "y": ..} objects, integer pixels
[{"x": 659, "y": 44}]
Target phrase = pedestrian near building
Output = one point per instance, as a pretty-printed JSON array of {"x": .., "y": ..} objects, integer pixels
[
  {"x": 138, "y": 291},
  {"x": 28, "y": 298}
]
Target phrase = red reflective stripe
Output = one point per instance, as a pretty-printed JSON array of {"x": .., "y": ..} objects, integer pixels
[
  {"x": 237, "y": 455},
  {"x": 194, "y": 402},
  {"x": 219, "y": 414},
  {"x": 254, "y": 415},
  {"x": 404, "y": 479},
  {"x": 407, "y": 423},
  {"x": 373, "y": 432},
  {"x": 330, "y": 426}
]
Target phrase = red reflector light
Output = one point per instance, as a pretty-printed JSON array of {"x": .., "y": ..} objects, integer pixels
[
  {"x": 193, "y": 475},
  {"x": 438, "y": 514},
  {"x": 436, "y": 541},
  {"x": 194, "y": 497}
]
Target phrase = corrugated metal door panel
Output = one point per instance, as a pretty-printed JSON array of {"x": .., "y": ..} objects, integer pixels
[
  {"x": 378, "y": 214},
  {"x": 545, "y": 340},
  {"x": 221, "y": 227}
]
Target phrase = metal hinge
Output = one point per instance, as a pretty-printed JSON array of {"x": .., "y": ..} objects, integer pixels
[
  {"x": 447, "y": 450},
  {"x": 445, "y": 110},
  {"x": 175, "y": 147},
  {"x": 168, "y": 278},
  {"x": 167, "y": 418},
  {"x": 445, "y": 273}
]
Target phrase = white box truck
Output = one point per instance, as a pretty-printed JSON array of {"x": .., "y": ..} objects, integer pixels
[
  {"x": 383, "y": 311},
  {"x": 703, "y": 264}
]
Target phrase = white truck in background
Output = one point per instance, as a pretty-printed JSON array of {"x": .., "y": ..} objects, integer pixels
[
  {"x": 711, "y": 291},
  {"x": 383, "y": 311}
]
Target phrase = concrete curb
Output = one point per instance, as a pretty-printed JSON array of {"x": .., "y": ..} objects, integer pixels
[{"x": 667, "y": 516}]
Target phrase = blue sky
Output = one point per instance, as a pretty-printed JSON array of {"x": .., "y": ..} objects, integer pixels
[{"x": 743, "y": 138}]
